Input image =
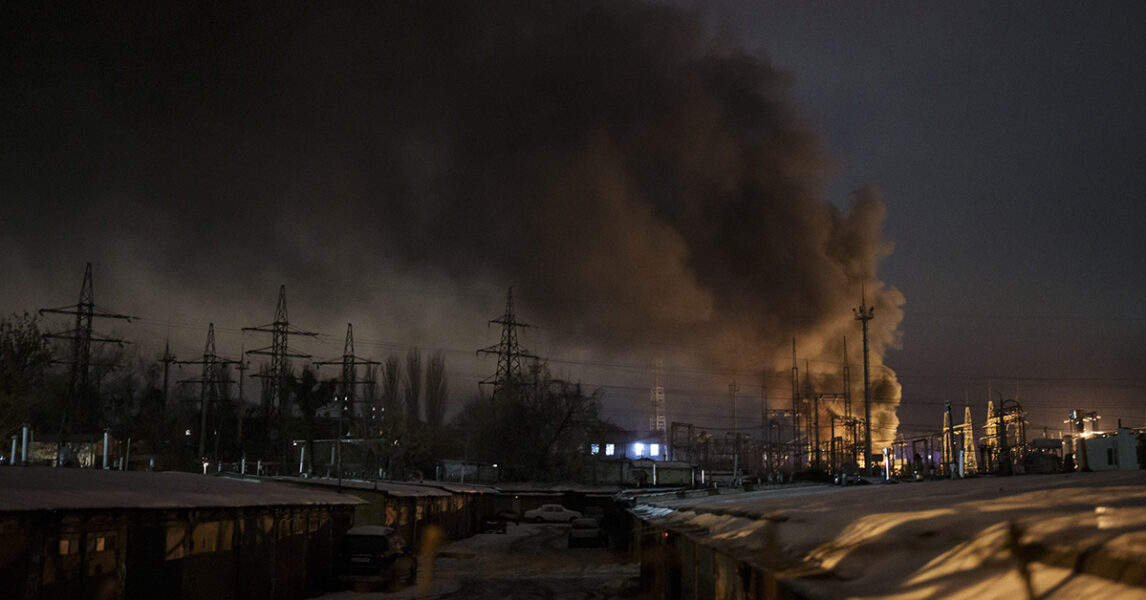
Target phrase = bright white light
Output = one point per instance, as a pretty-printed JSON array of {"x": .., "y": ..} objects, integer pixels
[
  {"x": 639, "y": 449},
  {"x": 654, "y": 449},
  {"x": 609, "y": 449},
  {"x": 595, "y": 448}
]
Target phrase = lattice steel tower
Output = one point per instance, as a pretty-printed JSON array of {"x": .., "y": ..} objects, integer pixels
[
  {"x": 509, "y": 353},
  {"x": 81, "y": 337},
  {"x": 279, "y": 352},
  {"x": 208, "y": 384},
  {"x": 349, "y": 380},
  {"x": 657, "y": 396}
]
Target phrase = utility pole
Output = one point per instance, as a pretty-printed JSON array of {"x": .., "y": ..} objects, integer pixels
[
  {"x": 732, "y": 389},
  {"x": 509, "y": 353},
  {"x": 166, "y": 359},
  {"x": 765, "y": 425},
  {"x": 795, "y": 408},
  {"x": 864, "y": 314},
  {"x": 81, "y": 338},
  {"x": 241, "y": 367}
]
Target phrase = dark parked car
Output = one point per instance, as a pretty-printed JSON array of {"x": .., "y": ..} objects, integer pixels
[
  {"x": 587, "y": 532},
  {"x": 373, "y": 556},
  {"x": 494, "y": 524}
]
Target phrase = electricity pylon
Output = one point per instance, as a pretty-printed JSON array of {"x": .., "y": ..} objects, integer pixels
[
  {"x": 208, "y": 384},
  {"x": 280, "y": 354},
  {"x": 81, "y": 337},
  {"x": 658, "y": 398},
  {"x": 349, "y": 379},
  {"x": 509, "y": 353}
]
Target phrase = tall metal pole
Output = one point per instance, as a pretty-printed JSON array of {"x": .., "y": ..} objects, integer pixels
[
  {"x": 864, "y": 314},
  {"x": 732, "y": 389},
  {"x": 795, "y": 408}
]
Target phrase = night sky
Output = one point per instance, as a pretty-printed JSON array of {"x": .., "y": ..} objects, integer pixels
[{"x": 701, "y": 184}]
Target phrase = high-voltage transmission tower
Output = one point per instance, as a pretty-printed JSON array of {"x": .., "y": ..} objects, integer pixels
[
  {"x": 864, "y": 314},
  {"x": 349, "y": 380},
  {"x": 657, "y": 396},
  {"x": 280, "y": 354},
  {"x": 509, "y": 353},
  {"x": 209, "y": 383},
  {"x": 81, "y": 337}
]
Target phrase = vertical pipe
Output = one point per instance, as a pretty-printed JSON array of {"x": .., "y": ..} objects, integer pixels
[
  {"x": 301, "y": 458},
  {"x": 106, "y": 435},
  {"x": 24, "y": 448},
  {"x": 126, "y": 456},
  {"x": 12, "y": 456}
]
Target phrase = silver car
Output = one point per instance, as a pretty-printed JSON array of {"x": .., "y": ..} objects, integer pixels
[{"x": 552, "y": 513}]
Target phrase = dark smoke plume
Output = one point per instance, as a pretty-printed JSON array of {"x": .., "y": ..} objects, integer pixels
[{"x": 645, "y": 187}]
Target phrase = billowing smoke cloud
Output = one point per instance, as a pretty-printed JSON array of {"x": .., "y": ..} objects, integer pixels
[{"x": 644, "y": 187}]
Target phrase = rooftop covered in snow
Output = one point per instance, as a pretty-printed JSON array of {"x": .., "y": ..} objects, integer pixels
[
  {"x": 1075, "y": 535},
  {"x": 44, "y": 488}
]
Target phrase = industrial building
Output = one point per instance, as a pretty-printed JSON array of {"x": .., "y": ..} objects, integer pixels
[{"x": 103, "y": 534}]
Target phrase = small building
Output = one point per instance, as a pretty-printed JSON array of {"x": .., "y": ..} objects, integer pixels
[
  {"x": 1120, "y": 450},
  {"x": 96, "y": 534}
]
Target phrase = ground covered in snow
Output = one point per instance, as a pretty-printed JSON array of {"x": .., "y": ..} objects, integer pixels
[{"x": 1078, "y": 535}]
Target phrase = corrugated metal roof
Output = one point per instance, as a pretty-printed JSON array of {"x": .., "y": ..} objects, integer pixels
[
  {"x": 45, "y": 488},
  {"x": 390, "y": 488}
]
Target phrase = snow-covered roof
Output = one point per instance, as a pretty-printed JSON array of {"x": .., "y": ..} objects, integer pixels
[
  {"x": 1082, "y": 532},
  {"x": 46, "y": 488},
  {"x": 390, "y": 488}
]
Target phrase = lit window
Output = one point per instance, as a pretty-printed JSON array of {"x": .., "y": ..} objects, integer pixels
[
  {"x": 654, "y": 449},
  {"x": 639, "y": 449},
  {"x": 595, "y": 448},
  {"x": 609, "y": 450}
]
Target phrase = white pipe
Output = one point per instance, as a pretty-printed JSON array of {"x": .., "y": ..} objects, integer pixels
[
  {"x": 24, "y": 450},
  {"x": 12, "y": 456},
  {"x": 105, "y": 437},
  {"x": 243, "y": 466},
  {"x": 301, "y": 457}
]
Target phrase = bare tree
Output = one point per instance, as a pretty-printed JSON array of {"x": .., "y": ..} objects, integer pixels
[
  {"x": 412, "y": 388},
  {"x": 436, "y": 391}
]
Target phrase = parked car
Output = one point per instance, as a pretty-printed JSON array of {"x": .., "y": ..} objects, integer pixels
[
  {"x": 494, "y": 524},
  {"x": 587, "y": 532},
  {"x": 374, "y": 556},
  {"x": 553, "y": 513}
]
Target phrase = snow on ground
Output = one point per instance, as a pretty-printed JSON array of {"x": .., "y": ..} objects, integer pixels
[{"x": 1077, "y": 535}]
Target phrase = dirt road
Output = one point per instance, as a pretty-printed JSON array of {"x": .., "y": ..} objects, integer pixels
[{"x": 528, "y": 561}]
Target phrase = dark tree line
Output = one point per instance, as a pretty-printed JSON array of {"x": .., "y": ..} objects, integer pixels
[{"x": 398, "y": 429}]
